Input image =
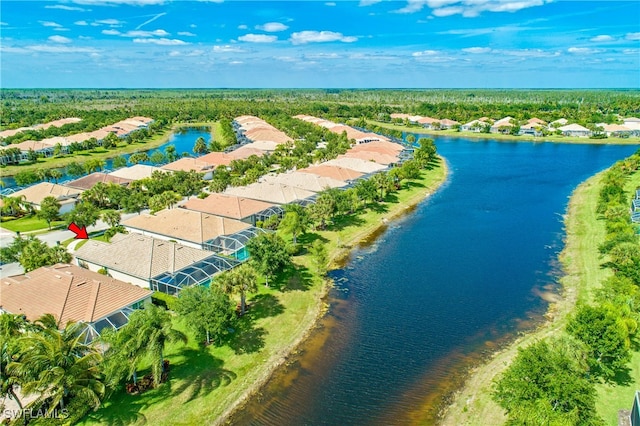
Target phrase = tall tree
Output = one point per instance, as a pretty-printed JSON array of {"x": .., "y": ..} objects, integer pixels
[
  {"x": 49, "y": 210},
  {"x": 83, "y": 214},
  {"x": 208, "y": 312},
  {"x": 11, "y": 327},
  {"x": 111, "y": 218},
  {"x": 200, "y": 147},
  {"x": 269, "y": 254},
  {"x": 57, "y": 366},
  {"x": 240, "y": 280},
  {"x": 295, "y": 221}
]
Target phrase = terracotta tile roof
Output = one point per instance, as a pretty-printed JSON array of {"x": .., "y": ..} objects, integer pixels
[
  {"x": 68, "y": 292},
  {"x": 135, "y": 172},
  {"x": 306, "y": 181},
  {"x": 275, "y": 193},
  {"x": 216, "y": 159},
  {"x": 226, "y": 205},
  {"x": 246, "y": 151},
  {"x": 427, "y": 120},
  {"x": 28, "y": 145},
  {"x": 264, "y": 134},
  {"x": 89, "y": 181},
  {"x": 448, "y": 122},
  {"x": 140, "y": 256},
  {"x": 185, "y": 225},
  {"x": 187, "y": 164},
  {"x": 334, "y": 172},
  {"x": 36, "y": 193},
  {"x": 383, "y": 147},
  {"x": 536, "y": 121},
  {"x": 357, "y": 164},
  {"x": 372, "y": 156}
]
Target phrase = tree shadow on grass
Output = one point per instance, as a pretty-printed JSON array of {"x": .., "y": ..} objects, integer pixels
[
  {"x": 200, "y": 373},
  {"x": 265, "y": 305},
  {"x": 413, "y": 184},
  {"x": 622, "y": 377},
  {"x": 311, "y": 237},
  {"x": 379, "y": 207},
  {"x": 299, "y": 278},
  {"x": 343, "y": 222}
]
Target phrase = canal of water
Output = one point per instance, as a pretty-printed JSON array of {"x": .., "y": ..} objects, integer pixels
[{"x": 437, "y": 290}]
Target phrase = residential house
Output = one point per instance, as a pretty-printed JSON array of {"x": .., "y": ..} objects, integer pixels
[
  {"x": 503, "y": 125},
  {"x": 446, "y": 124},
  {"x": 188, "y": 164},
  {"x": 66, "y": 196},
  {"x": 632, "y": 123},
  {"x": 89, "y": 181},
  {"x": 136, "y": 172},
  {"x": 558, "y": 123},
  {"x": 152, "y": 263},
  {"x": 275, "y": 193},
  {"x": 306, "y": 181},
  {"x": 357, "y": 164},
  {"x": 615, "y": 130},
  {"x": 575, "y": 130},
  {"x": 72, "y": 293},
  {"x": 233, "y": 207}
]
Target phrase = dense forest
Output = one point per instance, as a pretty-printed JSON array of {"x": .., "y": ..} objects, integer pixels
[{"x": 102, "y": 107}]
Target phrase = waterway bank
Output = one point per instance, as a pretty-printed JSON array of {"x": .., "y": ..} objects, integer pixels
[
  {"x": 340, "y": 245},
  {"x": 580, "y": 259},
  {"x": 506, "y": 138},
  {"x": 157, "y": 140}
]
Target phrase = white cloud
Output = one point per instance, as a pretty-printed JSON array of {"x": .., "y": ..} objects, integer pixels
[
  {"x": 111, "y": 32},
  {"x": 285, "y": 58},
  {"x": 602, "y": 38},
  {"x": 258, "y": 38},
  {"x": 138, "y": 33},
  {"x": 330, "y": 3},
  {"x": 63, "y": 7},
  {"x": 242, "y": 27},
  {"x": 175, "y": 53},
  {"x": 50, "y": 24},
  {"x": 632, "y": 36},
  {"x": 186, "y": 34},
  {"x": 59, "y": 39},
  {"x": 112, "y": 22},
  {"x": 81, "y": 23},
  {"x": 193, "y": 26},
  {"x": 468, "y": 8},
  {"x": 425, "y": 53},
  {"x": 160, "y": 41},
  {"x": 48, "y": 48},
  {"x": 227, "y": 48},
  {"x": 3, "y": 23},
  {"x": 304, "y": 37},
  {"x": 583, "y": 50},
  {"x": 272, "y": 27},
  {"x": 324, "y": 56},
  {"x": 477, "y": 50},
  {"x": 364, "y": 3},
  {"x": 236, "y": 62}
]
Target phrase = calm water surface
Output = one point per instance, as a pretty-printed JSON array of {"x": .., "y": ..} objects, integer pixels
[{"x": 437, "y": 289}]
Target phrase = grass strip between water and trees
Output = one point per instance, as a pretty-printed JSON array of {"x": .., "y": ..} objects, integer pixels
[
  {"x": 207, "y": 383},
  {"x": 588, "y": 275}
]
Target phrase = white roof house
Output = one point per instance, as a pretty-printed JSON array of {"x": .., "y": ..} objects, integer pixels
[
  {"x": 271, "y": 192},
  {"x": 307, "y": 181},
  {"x": 632, "y": 123},
  {"x": 575, "y": 130}
]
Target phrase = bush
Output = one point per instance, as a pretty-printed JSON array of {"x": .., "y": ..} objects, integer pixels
[{"x": 164, "y": 300}]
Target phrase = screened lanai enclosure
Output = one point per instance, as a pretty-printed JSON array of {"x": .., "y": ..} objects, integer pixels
[
  {"x": 234, "y": 245},
  {"x": 115, "y": 321},
  {"x": 199, "y": 273},
  {"x": 265, "y": 214}
]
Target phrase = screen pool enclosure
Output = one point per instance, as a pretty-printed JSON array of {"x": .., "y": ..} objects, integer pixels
[
  {"x": 234, "y": 245},
  {"x": 199, "y": 273}
]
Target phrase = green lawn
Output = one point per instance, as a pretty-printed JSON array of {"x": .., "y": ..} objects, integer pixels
[
  {"x": 206, "y": 382},
  {"x": 473, "y": 135},
  {"x": 29, "y": 223}
]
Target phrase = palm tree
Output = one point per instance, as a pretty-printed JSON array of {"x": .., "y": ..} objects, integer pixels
[
  {"x": 55, "y": 175},
  {"x": 13, "y": 205},
  {"x": 240, "y": 280},
  {"x": 56, "y": 365},
  {"x": 11, "y": 327},
  {"x": 150, "y": 329}
]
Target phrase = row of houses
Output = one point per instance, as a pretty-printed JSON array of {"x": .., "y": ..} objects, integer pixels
[
  {"x": 534, "y": 126},
  {"x": 47, "y": 147},
  {"x": 174, "y": 248},
  {"x": 56, "y": 123}
]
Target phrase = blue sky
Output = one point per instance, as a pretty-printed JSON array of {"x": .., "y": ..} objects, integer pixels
[{"x": 377, "y": 44}]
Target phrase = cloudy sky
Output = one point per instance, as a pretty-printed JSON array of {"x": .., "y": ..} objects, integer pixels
[{"x": 370, "y": 43}]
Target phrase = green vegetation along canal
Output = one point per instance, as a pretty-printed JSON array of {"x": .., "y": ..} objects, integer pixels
[{"x": 437, "y": 290}]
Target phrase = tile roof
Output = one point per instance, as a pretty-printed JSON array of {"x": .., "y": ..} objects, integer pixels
[
  {"x": 357, "y": 164},
  {"x": 89, "y": 181},
  {"x": 216, "y": 159},
  {"x": 185, "y": 225},
  {"x": 28, "y": 145},
  {"x": 135, "y": 172},
  {"x": 334, "y": 172},
  {"x": 140, "y": 256},
  {"x": 372, "y": 156},
  {"x": 36, "y": 193},
  {"x": 573, "y": 128},
  {"x": 226, "y": 205},
  {"x": 276, "y": 193},
  {"x": 306, "y": 181},
  {"x": 383, "y": 147},
  {"x": 188, "y": 163},
  {"x": 68, "y": 292}
]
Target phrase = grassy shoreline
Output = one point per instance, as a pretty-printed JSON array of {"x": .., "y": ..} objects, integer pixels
[
  {"x": 472, "y": 404},
  {"x": 210, "y": 384},
  {"x": 506, "y": 138},
  {"x": 54, "y": 163}
]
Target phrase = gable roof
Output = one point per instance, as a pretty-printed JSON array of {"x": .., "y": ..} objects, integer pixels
[
  {"x": 573, "y": 128},
  {"x": 357, "y": 164},
  {"x": 188, "y": 164},
  {"x": 226, "y": 205},
  {"x": 334, "y": 172},
  {"x": 306, "y": 181},
  {"x": 140, "y": 256},
  {"x": 135, "y": 172},
  {"x": 89, "y": 181},
  {"x": 186, "y": 225},
  {"x": 275, "y": 193},
  {"x": 372, "y": 156},
  {"x": 68, "y": 292},
  {"x": 36, "y": 193}
]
